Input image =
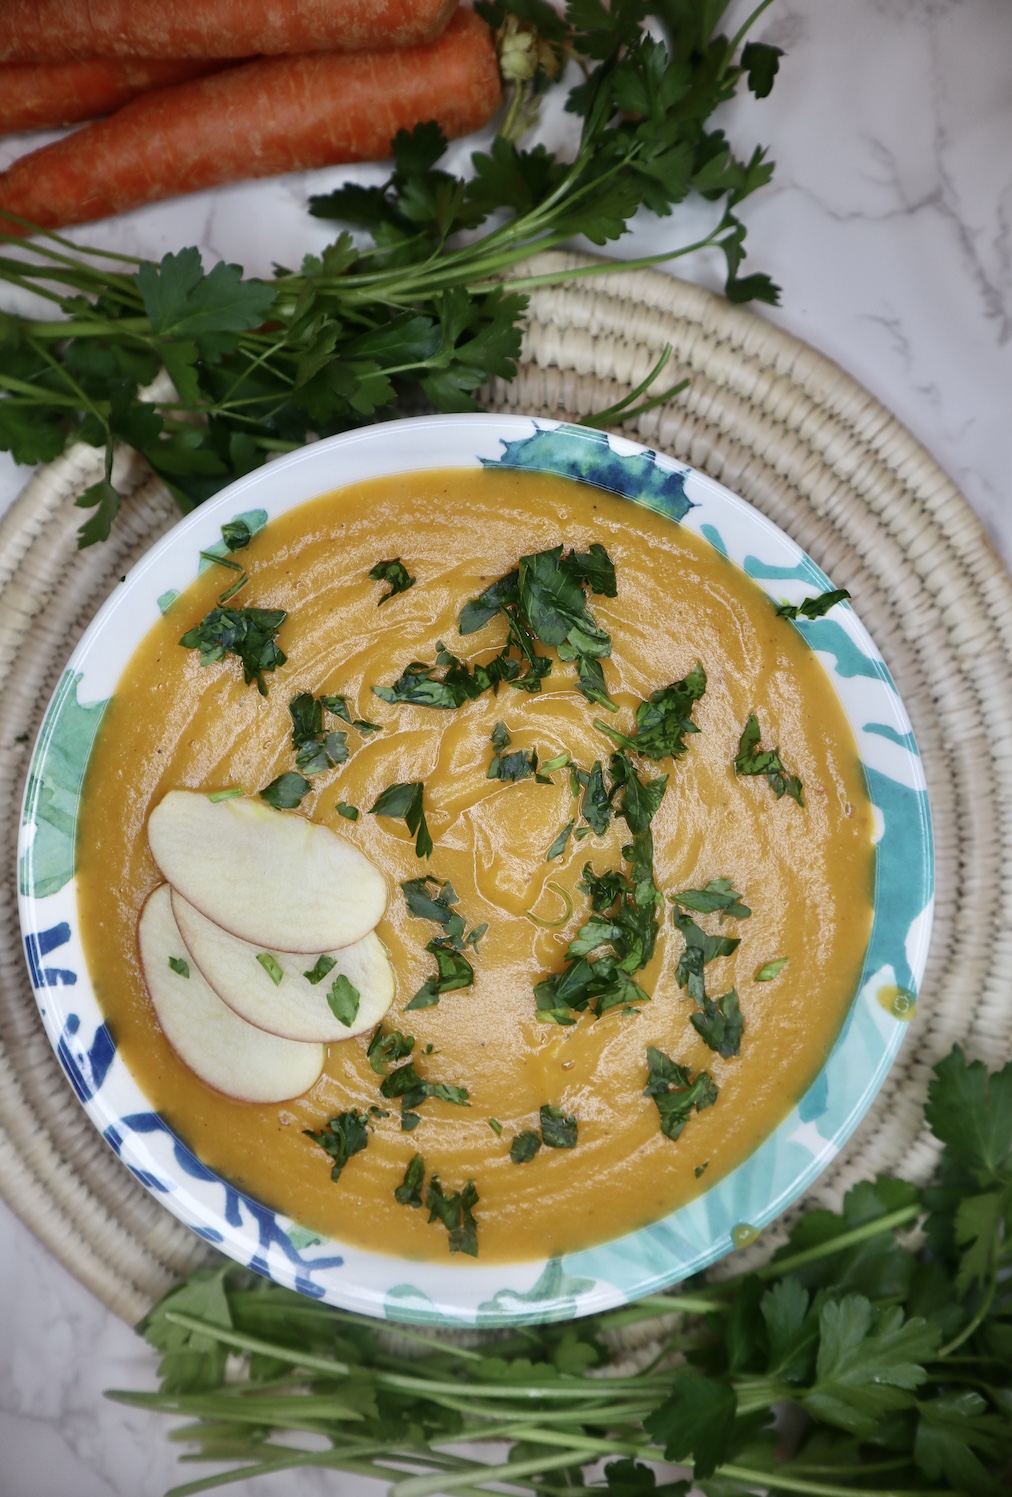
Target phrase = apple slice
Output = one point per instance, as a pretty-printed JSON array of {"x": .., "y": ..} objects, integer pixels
[
  {"x": 271, "y": 877},
  {"x": 287, "y": 1003},
  {"x": 223, "y": 1050}
]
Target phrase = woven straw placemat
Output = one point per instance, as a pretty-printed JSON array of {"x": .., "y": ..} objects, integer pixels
[{"x": 775, "y": 422}]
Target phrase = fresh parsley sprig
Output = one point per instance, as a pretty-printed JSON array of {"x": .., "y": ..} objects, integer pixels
[
  {"x": 864, "y": 1358},
  {"x": 413, "y": 303}
]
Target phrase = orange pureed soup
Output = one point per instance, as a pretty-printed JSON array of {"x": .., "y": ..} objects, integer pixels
[{"x": 806, "y": 873}]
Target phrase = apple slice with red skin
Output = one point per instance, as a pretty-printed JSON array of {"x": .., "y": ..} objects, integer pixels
[
  {"x": 293, "y": 1006},
  {"x": 272, "y": 877},
  {"x": 223, "y": 1050}
]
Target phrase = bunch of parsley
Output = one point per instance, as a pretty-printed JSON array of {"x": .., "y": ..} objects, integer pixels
[
  {"x": 409, "y": 311},
  {"x": 872, "y": 1355}
]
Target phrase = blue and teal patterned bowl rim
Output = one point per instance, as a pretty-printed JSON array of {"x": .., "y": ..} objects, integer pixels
[{"x": 734, "y": 1209}]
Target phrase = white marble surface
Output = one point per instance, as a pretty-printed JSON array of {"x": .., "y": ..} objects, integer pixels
[{"x": 888, "y": 226}]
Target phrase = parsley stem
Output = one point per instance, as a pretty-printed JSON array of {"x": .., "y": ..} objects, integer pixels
[
  {"x": 881, "y": 1224},
  {"x": 744, "y": 29},
  {"x": 521, "y": 1391},
  {"x": 977, "y": 1320},
  {"x": 811, "y": 1488},
  {"x": 423, "y": 1486}
]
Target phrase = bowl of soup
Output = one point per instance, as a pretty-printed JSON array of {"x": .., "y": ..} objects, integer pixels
[{"x": 476, "y": 870}]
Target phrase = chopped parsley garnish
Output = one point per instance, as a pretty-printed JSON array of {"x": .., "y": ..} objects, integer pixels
[
  {"x": 701, "y": 1169},
  {"x": 404, "y": 803},
  {"x": 395, "y": 575},
  {"x": 343, "y": 1000},
  {"x": 813, "y": 608},
  {"x": 454, "y": 970},
  {"x": 596, "y": 806},
  {"x": 524, "y": 1147},
  {"x": 545, "y": 598},
  {"x": 674, "y": 1092},
  {"x": 769, "y": 970},
  {"x": 247, "y": 633},
  {"x": 718, "y": 895},
  {"x": 320, "y": 968},
  {"x": 663, "y": 721},
  {"x": 287, "y": 791},
  {"x": 179, "y": 965},
  {"x": 519, "y": 765},
  {"x": 316, "y": 750},
  {"x": 700, "y": 948},
  {"x": 720, "y": 1024},
  {"x": 236, "y": 534},
  {"x": 558, "y": 847},
  {"x": 557, "y": 1130},
  {"x": 413, "y": 1090},
  {"x": 232, "y": 793},
  {"x": 419, "y": 685},
  {"x": 409, "y": 1192},
  {"x": 388, "y": 1046},
  {"x": 338, "y": 705},
  {"x": 271, "y": 966},
  {"x": 625, "y": 914},
  {"x": 455, "y": 1211},
  {"x": 751, "y": 759},
  {"x": 350, "y": 813},
  {"x": 237, "y": 586},
  {"x": 342, "y": 1137},
  {"x": 496, "y": 1127}
]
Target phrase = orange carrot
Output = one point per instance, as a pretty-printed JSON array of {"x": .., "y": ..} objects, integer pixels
[
  {"x": 59, "y": 30},
  {"x": 37, "y": 95},
  {"x": 259, "y": 119}
]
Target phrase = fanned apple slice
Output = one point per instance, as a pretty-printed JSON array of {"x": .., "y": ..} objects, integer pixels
[
  {"x": 267, "y": 876},
  {"x": 223, "y": 1050},
  {"x": 274, "y": 992}
]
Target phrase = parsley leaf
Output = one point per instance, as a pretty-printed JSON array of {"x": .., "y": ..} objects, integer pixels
[
  {"x": 524, "y": 1147},
  {"x": 179, "y": 966},
  {"x": 413, "y": 1090},
  {"x": 387, "y": 1046},
  {"x": 271, "y": 966},
  {"x": 454, "y": 971},
  {"x": 519, "y": 765},
  {"x": 558, "y": 1131},
  {"x": 751, "y": 759},
  {"x": 286, "y": 792},
  {"x": 717, "y": 895},
  {"x": 663, "y": 720},
  {"x": 320, "y": 968},
  {"x": 409, "y": 1192},
  {"x": 316, "y": 750},
  {"x": 338, "y": 705},
  {"x": 769, "y": 970},
  {"x": 697, "y": 1419},
  {"x": 236, "y": 534},
  {"x": 247, "y": 633},
  {"x": 812, "y": 608},
  {"x": 558, "y": 847},
  {"x": 869, "y": 1363},
  {"x": 350, "y": 813},
  {"x": 404, "y": 803},
  {"x": 674, "y": 1091},
  {"x": 342, "y": 1137},
  {"x": 700, "y": 948},
  {"x": 456, "y": 1212},
  {"x": 720, "y": 1024},
  {"x": 343, "y": 1000},
  {"x": 395, "y": 575}
]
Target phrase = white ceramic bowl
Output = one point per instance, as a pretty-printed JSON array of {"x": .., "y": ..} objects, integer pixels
[{"x": 457, "y": 1293}]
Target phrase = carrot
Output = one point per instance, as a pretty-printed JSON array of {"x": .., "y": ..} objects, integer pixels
[
  {"x": 36, "y": 95},
  {"x": 259, "y": 119},
  {"x": 60, "y": 30}
]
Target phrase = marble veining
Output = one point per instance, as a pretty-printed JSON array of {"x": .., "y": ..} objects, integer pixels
[{"x": 888, "y": 226}]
